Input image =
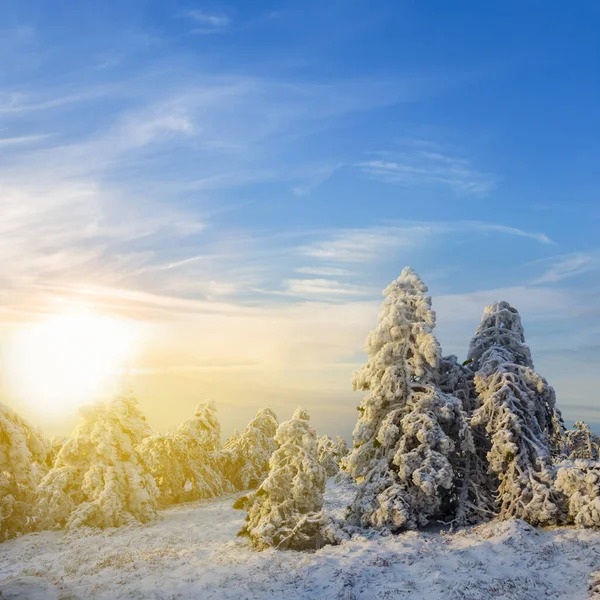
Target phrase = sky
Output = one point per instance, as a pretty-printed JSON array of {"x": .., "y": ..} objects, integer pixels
[{"x": 238, "y": 181}]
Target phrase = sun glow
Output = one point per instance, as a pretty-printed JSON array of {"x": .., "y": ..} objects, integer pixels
[{"x": 68, "y": 360}]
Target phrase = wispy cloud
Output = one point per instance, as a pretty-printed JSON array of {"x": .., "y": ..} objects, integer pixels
[
  {"x": 564, "y": 267},
  {"x": 22, "y": 140},
  {"x": 322, "y": 288},
  {"x": 422, "y": 163},
  {"x": 209, "y": 22}
]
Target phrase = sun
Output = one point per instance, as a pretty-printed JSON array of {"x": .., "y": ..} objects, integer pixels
[{"x": 68, "y": 360}]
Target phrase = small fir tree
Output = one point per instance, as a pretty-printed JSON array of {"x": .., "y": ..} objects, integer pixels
[
  {"x": 579, "y": 482},
  {"x": 286, "y": 510},
  {"x": 582, "y": 443},
  {"x": 330, "y": 453}
]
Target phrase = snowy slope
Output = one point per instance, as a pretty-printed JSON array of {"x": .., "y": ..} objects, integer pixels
[{"x": 193, "y": 552}]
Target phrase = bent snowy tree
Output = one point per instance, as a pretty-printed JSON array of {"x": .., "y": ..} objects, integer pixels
[
  {"x": 517, "y": 413},
  {"x": 186, "y": 462},
  {"x": 23, "y": 452},
  {"x": 97, "y": 478},
  {"x": 410, "y": 435},
  {"x": 286, "y": 510}
]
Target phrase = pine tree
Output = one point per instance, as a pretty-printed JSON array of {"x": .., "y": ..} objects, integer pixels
[
  {"x": 97, "y": 478},
  {"x": 330, "y": 453},
  {"x": 23, "y": 452},
  {"x": 186, "y": 463},
  {"x": 582, "y": 443},
  {"x": 247, "y": 455},
  {"x": 516, "y": 406},
  {"x": 286, "y": 510},
  {"x": 409, "y": 433}
]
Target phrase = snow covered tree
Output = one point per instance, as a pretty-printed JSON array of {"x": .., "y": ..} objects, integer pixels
[
  {"x": 409, "y": 433},
  {"x": 516, "y": 413},
  {"x": 247, "y": 455},
  {"x": 286, "y": 510},
  {"x": 186, "y": 463},
  {"x": 330, "y": 453},
  {"x": 56, "y": 443},
  {"x": 501, "y": 327},
  {"x": 97, "y": 479},
  {"x": 23, "y": 452},
  {"x": 579, "y": 481},
  {"x": 582, "y": 443}
]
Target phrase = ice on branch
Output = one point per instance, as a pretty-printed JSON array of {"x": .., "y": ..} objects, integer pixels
[
  {"x": 579, "y": 481},
  {"x": 286, "y": 511},
  {"x": 98, "y": 479},
  {"x": 186, "y": 463}
]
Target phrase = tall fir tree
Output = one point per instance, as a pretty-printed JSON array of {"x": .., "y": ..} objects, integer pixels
[
  {"x": 516, "y": 414},
  {"x": 410, "y": 435}
]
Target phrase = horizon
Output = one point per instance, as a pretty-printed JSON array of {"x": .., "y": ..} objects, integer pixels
[{"x": 234, "y": 183}]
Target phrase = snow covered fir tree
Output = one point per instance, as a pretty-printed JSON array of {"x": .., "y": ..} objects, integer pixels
[
  {"x": 98, "y": 479},
  {"x": 23, "y": 454},
  {"x": 582, "y": 443},
  {"x": 246, "y": 456},
  {"x": 409, "y": 435},
  {"x": 186, "y": 463},
  {"x": 286, "y": 511},
  {"x": 517, "y": 412}
]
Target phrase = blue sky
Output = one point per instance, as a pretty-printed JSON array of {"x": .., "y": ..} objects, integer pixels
[{"x": 243, "y": 178}]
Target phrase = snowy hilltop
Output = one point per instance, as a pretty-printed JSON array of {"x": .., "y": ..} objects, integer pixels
[{"x": 461, "y": 482}]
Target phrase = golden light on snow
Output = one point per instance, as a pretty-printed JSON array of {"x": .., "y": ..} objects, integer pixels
[{"x": 68, "y": 360}]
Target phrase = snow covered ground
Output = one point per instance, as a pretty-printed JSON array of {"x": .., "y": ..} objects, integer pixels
[{"x": 193, "y": 552}]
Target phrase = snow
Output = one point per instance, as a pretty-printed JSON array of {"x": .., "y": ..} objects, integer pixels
[{"x": 192, "y": 551}]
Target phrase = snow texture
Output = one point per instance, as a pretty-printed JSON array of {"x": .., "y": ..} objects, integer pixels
[
  {"x": 192, "y": 552},
  {"x": 246, "y": 456},
  {"x": 23, "y": 452},
  {"x": 516, "y": 407},
  {"x": 186, "y": 463},
  {"x": 97, "y": 479},
  {"x": 409, "y": 435},
  {"x": 286, "y": 510}
]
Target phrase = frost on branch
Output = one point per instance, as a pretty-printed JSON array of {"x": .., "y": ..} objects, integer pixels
[
  {"x": 186, "y": 462},
  {"x": 330, "y": 453},
  {"x": 410, "y": 435},
  {"x": 247, "y": 455},
  {"x": 516, "y": 407},
  {"x": 582, "y": 442},
  {"x": 97, "y": 478},
  {"x": 23, "y": 452},
  {"x": 286, "y": 510},
  {"x": 579, "y": 481}
]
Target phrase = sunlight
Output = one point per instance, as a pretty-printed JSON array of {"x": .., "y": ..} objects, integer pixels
[{"x": 68, "y": 360}]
